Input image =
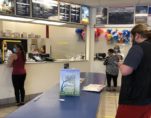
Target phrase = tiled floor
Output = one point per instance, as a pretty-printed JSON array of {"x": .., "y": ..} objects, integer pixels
[
  {"x": 7, "y": 110},
  {"x": 108, "y": 105},
  {"x": 107, "y": 109}
]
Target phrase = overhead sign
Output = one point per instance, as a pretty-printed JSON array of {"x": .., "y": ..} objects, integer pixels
[
  {"x": 47, "y": 9},
  {"x": 23, "y": 7}
]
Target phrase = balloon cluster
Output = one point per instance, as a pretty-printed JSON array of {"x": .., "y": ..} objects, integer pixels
[
  {"x": 98, "y": 32},
  {"x": 118, "y": 36},
  {"x": 81, "y": 33}
]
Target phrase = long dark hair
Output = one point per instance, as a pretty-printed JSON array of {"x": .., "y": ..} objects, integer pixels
[
  {"x": 143, "y": 30},
  {"x": 22, "y": 51}
]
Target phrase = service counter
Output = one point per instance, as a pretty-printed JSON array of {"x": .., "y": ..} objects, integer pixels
[
  {"x": 51, "y": 105},
  {"x": 40, "y": 77}
]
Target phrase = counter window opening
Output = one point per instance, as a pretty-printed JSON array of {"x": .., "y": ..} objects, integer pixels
[{"x": 61, "y": 45}]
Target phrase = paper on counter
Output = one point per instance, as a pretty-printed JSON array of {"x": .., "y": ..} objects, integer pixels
[{"x": 93, "y": 87}]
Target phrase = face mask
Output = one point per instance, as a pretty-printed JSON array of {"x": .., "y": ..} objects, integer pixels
[
  {"x": 5, "y": 48},
  {"x": 14, "y": 50}
]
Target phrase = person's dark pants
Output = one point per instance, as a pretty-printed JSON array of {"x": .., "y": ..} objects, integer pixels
[
  {"x": 18, "y": 83},
  {"x": 109, "y": 78}
]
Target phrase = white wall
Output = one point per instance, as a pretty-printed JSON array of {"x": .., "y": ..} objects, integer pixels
[
  {"x": 25, "y": 27},
  {"x": 65, "y": 42},
  {"x": 40, "y": 77}
]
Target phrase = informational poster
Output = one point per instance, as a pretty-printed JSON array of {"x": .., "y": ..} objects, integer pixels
[
  {"x": 101, "y": 16},
  {"x": 85, "y": 15},
  {"x": 45, "y": 9},
  {"x": 7, "y": 7},
  {"x": 23, "y": 7},
  {"x": 75, "y": 13},
  {"x": 141, "y": 9},
  {"x": 70, "y": 82},
  {"x": 121, "y": 15},
  {"x": 64, "y": 11}
]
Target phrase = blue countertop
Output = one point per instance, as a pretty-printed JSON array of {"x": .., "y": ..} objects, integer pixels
[{"x": 51, "y": 105}]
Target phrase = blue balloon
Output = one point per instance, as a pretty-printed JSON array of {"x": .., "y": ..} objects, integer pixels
[
  {"x": 126, "y": 36},
  {"x": 79, "y": 31},
  {"x": 109, "y": 30}
]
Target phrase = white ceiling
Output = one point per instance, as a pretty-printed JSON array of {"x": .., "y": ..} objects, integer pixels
[{"x": 110, "y": 3}]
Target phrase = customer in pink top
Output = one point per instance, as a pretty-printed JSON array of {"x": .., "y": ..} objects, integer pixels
[{"x": 17, "y": 61}]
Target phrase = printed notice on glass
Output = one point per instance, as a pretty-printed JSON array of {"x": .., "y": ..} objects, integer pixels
[{"x": 23, "y": 7}]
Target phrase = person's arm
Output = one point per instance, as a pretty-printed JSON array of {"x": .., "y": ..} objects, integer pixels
[
  {"x": 131, "y": 61},
  {"x": 11, "y": 59},
  {"x": 125, "y": 69}
]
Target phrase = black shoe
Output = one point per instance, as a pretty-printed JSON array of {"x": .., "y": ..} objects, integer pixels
[
  {"x": 22, "y": 103},
  {"x": 108, "y": 88},
  {"x": 17, "y": 104}
]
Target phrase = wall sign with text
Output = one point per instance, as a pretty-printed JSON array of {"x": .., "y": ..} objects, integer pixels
[
  {"x": 23, "y": 7},
  {"x": 45, "y": 9},
  {"x": 75, "y": 13},
  {"x": 64, "y": 11}
]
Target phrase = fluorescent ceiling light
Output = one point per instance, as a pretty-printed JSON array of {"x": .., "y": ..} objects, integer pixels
[
  {"x": 45, "y": 2},
  {"x": 119, "y": 25},
  {"x": 47, "y": 22},
  {"x": 141, "y": 14},
  {"x": 14, "y": 18},
  {"x": 98, "y": 16}
]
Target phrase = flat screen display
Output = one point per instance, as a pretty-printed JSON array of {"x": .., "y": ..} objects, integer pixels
[
  {"x": 7, "y": 7},
  {"x": 45, "y": 9},
  {"x": 23, "y": 7},
  {"x": 149, "y": 10},
  {"x": 75, "y": 13},
  {"x": 64, "y": 11},
  {"x": 141, "y": 9},
  {"x": 121, "y": 15}
]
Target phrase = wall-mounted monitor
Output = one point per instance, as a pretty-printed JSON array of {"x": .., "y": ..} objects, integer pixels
[
  {"x": 64, "y": 11},
  {"x": 7, "y": 7},
  {"x": 149, "y": 10},
  {"x": 85, "y": 14},
  {"x": 23, "y": 7},
  {"x": 45, "y": 9},
  {"x": 121, "y": 15},
  {"x": 75, "y": 11},
  {"x": 101, "y": 15},
  {"x": 141, "y": 9}
]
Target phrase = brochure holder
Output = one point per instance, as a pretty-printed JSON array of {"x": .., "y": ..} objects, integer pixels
[{"x": 70, "y": 82}]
